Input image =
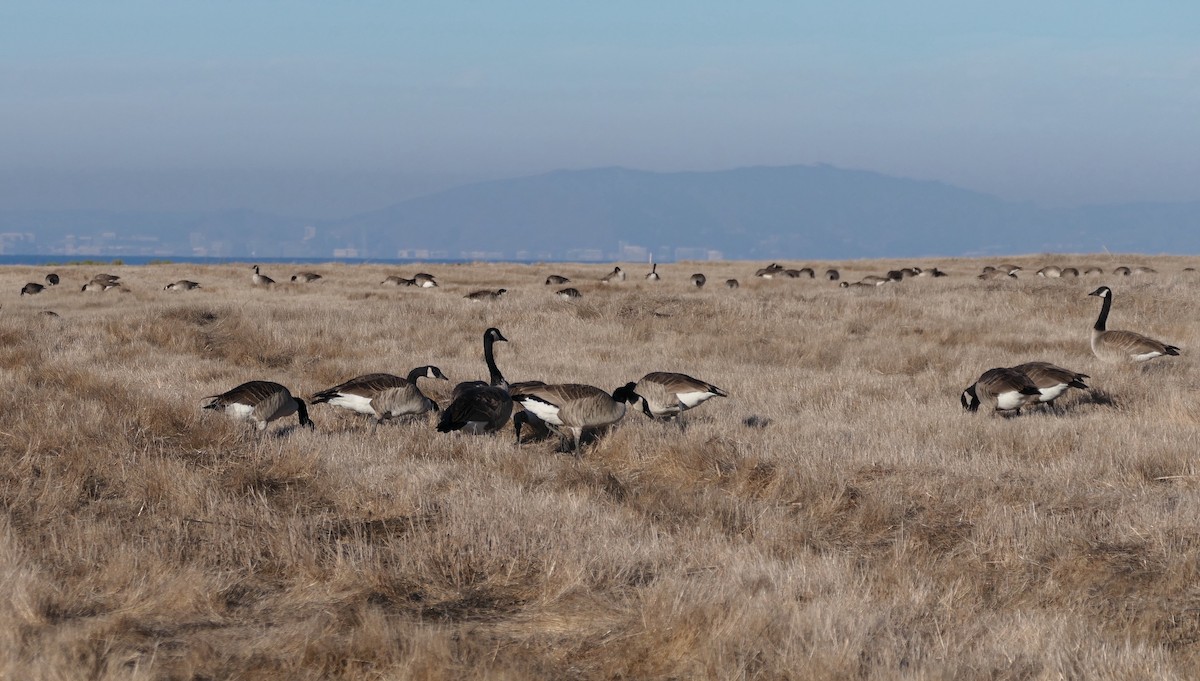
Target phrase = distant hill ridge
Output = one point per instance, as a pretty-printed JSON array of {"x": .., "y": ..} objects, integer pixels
[{"x": 794, "y": 212}]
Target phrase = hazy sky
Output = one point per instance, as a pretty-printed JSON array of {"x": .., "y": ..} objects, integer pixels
[{"x": 344, "y": 106}]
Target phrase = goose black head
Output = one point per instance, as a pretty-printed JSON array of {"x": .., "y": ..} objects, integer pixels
[
  {"x": 434, "y": 372},
  {"x": 494, "y": 334},
  {"x": 969, "y": 399},
  {"x": 302, "y": 413},
  {"x": 626, "y": 393},
  {"x": 1102, "y": 292}
]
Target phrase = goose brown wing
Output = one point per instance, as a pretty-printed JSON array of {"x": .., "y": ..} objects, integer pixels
[
  {"x": 1133, "y": 343},
  {"x": 1046, "y": 375},
  {"x": 367, "y": 385},
  {"x": 251, "y": 393}
]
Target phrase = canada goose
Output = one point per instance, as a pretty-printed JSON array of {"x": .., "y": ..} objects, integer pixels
[
  {"x": 106, "y": 277},
  {"x": 1050, "y": 272},
  {"x": 1123, "y": 346},
  {"x": 769, "y": 272},
  {"x": 52, "y": 279},
  {"x": 666, "y": 395},
  {"x": 1093, "y": 270},
  {"x": 1070, "y": 272},
  {"x": 931, "y": 272},
  {"x": 100, "y": 285},
  {"x": 424, "y": 280},
  {"x": 395, "y": 280},
  {"x": 1010, "y": 269},
  {"x": 1051, "y": 380},
  {"x": 1000, "y": 390},
  {"x": 832, "y": 275},
  {"x": 800, "y": 273},
  {"x": 306, "y": 277},
  {"x": 571, "y": 408},
  {"x": 480, "y": 407},
  {"x": 1122, "y": 271},
  {"x": 698, "y": 280},
  {"x": 31, "y": 289},
  {"x": 556, "y": 280},
  {"x": 652, "y": 275},
  {"x": 909, "y": 272},
  {"x": 1189, "y": 269},
  {"x": 260, "y": 402},
  {"x": 383, "y": 396},
  {"x": 181, "y": 285},
  {"x": 1145, "y": 270},
  {"x": 485, "y": 295},
  {"x": 731, "y": 283},
  {"x": 872, "y": 280},
  {"x": 569, "y": 293},
  {"x": 260, "y": 279},
  {"x": 857, "y": 284},
  {"x": 522, "y": 418},
  {"x": 615, "y": 275},
  {"x": 988, "y": 269},
  {"x": 895, "y": 275},
  {"x": 998, "y": 274}
]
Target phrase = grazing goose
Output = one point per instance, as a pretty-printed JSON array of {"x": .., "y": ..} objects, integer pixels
[
  {"x": 1001, "y": 390},
  {"x": 395, "y": 280},
  {"x": 1051, "y": 380},
  {"x": 832, "y": 275},
  {"x": 1093, "y": 270},
  {"x": 569, "y": 294},
  {"x": 522, "y": 418},
  {"x": 1123, "y": 346},
  {"x": 260, "y": 279},
  {"x": 616, "y": 275},
  {"x": 570, "y": 408},
  {"x": 100, "y": 285},
  {"x": 31, "y": 289},
  {"x": 424, "y": 280},
  {"x": 1070, "y": 272},
  {"x": 106, "y": 277},
  {"x": 305, "y": 277},
  {"x": 260, "y": 402},
  {"x": 652, "y": 275},
  {"x": 731, "y": 283},
  {"x": 698, "y": 280},
  {"x": 1122, "y": 271},
  {"x": 931, "y": 272},
  {"x": 1010, "y": 269},
  {"x": 857, "y": 284},
  {"x": 556, "y": 280},
  {"x": 181, "y": 285},
  {"x": 485, "y": 295},
  {"x": 383, "y": 396},
  {"x": 988, "y": 269},
  {"x": 770, "y": 271},
  {"x": 872, "y": 280},
  {"x": 479, "y": 407},
  {"x": 998, "y": 274},
  {"x": 52, "y": 279},
  {"x": 666, "y": 395},
  {"x": 1050, "y": 272}
]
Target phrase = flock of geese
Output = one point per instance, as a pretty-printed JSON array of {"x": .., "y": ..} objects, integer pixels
[
  {"x": 1011, "y": 388},
  {"x": 569, "y": 409}
]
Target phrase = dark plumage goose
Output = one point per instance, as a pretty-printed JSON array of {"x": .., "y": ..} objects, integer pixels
[
  {"x": 569, "y": 294},
  {"x": 1000, "y": 390},
  {"x": 572, "y": 408},
  {"x": 1051, "y": 380},
  {"x": 106, "y": 277},
  {"x": 1009, "y": 269},
  {"x": 770, "y": 271},
  {"x": 616, "y": 275},
  {"x": 52, "y": 279},
  {"x": 383, "y": 396},
  {"x": 100, "y": 285},
  {"x": 832, "y": 275},
  {"x": 1122, "y": 346},
  {"x": 666, "y": 395},
  {"x": 479, "y": 407},
  {"x": 260, "y": 402},
  {"x": 425, "y": 280},
  {"x": 556, "y": 280},
  {"x": 395, "y": 280},
  {"x": 1122, "y": 271},
  {"x": 653, "y": 274},
  {"x": 1070, "y": 272},
  {"x": 698, "y": 280},
  {"x": 306, "y": 277},
  {"x": 486, "y": 295},
  {"x": 181, "y": 285},
  {"x": 260, "y": 279},
  {"x": 31, "y": 289},
  {"x": 731, "y": 283}
]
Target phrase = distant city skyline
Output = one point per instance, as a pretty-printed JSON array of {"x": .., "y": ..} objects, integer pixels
[{"x": 328, "y": 109}]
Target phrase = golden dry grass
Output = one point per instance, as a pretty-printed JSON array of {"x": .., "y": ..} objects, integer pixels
[{"x": 839, "y": 516}]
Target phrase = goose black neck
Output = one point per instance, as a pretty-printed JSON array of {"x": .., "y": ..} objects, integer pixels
[
  {"x": 1103, "y": 318},
  {"x": 417, "y": 373},
  {"x": 494, "y": 375},
  {"x": 302, "y": 411}
]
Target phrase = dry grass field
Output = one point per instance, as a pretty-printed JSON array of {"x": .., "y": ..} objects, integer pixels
[{"x": 838, "y": 516}]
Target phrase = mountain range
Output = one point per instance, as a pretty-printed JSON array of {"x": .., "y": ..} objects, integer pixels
[{"x": 790, "y": 212}]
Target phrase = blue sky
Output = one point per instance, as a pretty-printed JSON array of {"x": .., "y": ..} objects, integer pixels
[{"x": 352, "y": 105}]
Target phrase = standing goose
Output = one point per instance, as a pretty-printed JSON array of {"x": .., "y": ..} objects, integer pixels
[
  {"x": 1123, "y": 346},
  {"x": 653, "y": 274},
  {"x": 383, "y": 396},
  {"x": 698, "y": 280},
  {"x": 306, "y": 277},
  {"x": 572, "y": 408},
  {"x": 1001, "y": 390},
  {"x": 260, "y": 402},
  {"x": 666, "y": 395},
  {"x": 1051, "y": 380},
  {"x": 480, "y": 407},
  {"x": 181, "y": 285},
  {"x": 557, "y": 280},
  {"x": 260, "y": 279},
  {"x": 31, "y": 289}
]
